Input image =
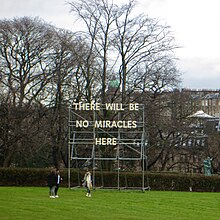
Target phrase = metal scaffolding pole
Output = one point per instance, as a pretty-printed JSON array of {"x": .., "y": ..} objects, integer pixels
[
  {"x": 93, "y": 151},
  {"x": 69, "y": 156}
]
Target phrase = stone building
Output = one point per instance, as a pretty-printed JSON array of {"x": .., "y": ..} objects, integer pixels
[{"x": 200, "y": 110}]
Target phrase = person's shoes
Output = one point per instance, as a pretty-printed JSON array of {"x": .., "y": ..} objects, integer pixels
[
  {"x": 53, "y": 197},
  {"x": 87, "y": 194},
  {"x": 90, "y": 195},
  {"x": 57, "y": 196}
]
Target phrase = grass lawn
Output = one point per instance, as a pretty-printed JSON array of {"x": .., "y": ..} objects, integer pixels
[{"x": 34, "y": 203}]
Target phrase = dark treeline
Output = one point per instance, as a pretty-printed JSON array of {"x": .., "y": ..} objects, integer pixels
[{"x": 43, "y": 69}]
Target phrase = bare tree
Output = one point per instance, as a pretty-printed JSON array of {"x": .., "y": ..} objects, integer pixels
[
  {"x": 140, "y": 42},
  {"x": 25, "y": 70},
  {"x": 121, "y": 42},
  {"x": 91, "y": 15},
  {"x": 42, "y": 72},
  {"x": 64, "y": 86}
]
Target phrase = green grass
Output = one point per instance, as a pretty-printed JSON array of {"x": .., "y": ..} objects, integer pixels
[{"x": 34, "y": 203}]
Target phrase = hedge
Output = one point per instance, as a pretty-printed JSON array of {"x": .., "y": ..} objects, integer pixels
[{"x": 156, "y": 181}]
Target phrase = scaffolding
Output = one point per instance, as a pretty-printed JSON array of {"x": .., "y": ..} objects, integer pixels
[{"x": 110, "y": 132}]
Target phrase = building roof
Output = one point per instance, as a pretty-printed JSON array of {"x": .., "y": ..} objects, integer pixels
[{"x": 200, "y": 114}]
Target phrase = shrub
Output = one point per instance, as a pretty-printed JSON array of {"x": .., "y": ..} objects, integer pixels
[{"x": 156, "y": 181}]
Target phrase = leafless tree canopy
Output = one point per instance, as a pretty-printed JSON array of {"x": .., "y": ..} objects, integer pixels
[
  {"x": 127, "y": 46},
  {"x": 118, "y": 56}
]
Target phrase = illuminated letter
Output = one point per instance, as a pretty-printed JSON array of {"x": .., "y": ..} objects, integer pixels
[{"x": 82, "y": 123}]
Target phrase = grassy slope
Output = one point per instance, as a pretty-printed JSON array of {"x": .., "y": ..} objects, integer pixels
[{"x": 34, "y": 203}]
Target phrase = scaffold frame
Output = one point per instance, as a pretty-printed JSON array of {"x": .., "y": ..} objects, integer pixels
[{"x": 87, "y": 129}]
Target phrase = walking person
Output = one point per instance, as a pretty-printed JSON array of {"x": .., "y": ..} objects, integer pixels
[
  {"x": 51, "y": 182},
  {"x": 87, "y": 182},
  {"x": 58, "y": 180}
]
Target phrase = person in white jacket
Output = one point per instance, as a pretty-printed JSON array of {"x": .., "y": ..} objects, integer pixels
[{"x": 87, "y": 182}]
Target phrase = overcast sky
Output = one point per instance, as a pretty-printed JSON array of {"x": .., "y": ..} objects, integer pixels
[{"x": 195, "y": 24}]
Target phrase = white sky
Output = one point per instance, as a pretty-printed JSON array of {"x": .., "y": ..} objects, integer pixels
[{"x": 195, "y": 24}]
